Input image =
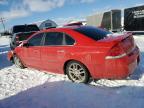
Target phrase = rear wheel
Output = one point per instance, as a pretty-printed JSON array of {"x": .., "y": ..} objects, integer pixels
[
  {"x": 18, "y": 62},
  {"x": 77, "y": 72}
]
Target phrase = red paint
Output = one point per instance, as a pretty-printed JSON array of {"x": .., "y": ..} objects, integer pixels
[{"x": 93, "y": 54}]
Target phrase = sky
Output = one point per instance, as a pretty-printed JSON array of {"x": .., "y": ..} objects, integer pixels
[{"x": 61, "y": 11}]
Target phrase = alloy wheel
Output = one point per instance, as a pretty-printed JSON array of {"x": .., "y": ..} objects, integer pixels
[{"x": 77, "y": 73}]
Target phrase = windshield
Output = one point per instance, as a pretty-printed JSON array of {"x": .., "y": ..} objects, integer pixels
[
  {"x": 93, "y": 32},
  {"x": 25, "y": 28}
]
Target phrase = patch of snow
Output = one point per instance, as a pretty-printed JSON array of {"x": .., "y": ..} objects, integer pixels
[{"x": 14, "y": 80}]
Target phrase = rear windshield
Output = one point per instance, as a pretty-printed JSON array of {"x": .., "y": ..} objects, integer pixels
[
  {"x": 93, "y": 32},
  {"x": 25, "y": 28}
]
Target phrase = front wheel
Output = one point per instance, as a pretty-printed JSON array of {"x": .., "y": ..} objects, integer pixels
[
  {"x": 18, "y": 62},
  {"x": 77, "y": 72}
]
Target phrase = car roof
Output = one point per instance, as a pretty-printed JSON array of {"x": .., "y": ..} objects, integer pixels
[
  {"x": 67, "y": 28},
  {"x": 71, "y": 27},
  {"x": 60, "y": 28}
]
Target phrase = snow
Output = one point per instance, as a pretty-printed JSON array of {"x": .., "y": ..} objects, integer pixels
[{"x": 30, "y": 88}]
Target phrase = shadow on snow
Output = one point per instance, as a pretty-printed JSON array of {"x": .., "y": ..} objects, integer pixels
[
  {"x": 140, "y": 69},
  {"x": 71, "y": 95},
  {"x": 3, "y": 56}
]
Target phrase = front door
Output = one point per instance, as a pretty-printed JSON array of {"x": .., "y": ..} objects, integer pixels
[{"x": 32, "y": 53}]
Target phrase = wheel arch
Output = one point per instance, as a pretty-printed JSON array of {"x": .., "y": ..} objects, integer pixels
[{"x": 66, "y": 62}]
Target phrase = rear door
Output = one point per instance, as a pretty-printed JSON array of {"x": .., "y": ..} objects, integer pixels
[
  {"x": 54, "y": 51},
  {"x": 32, "y": 53}
]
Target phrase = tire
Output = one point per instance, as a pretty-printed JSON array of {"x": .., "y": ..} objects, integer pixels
[
  {"x": 77, "y": 72},
  {"x": 18, "y": 62}
]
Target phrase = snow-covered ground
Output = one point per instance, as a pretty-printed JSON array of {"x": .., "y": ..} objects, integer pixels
[{"x": 30, "y": 88}]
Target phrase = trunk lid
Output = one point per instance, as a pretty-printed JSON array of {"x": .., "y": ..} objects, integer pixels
[{"x": 120, "y": 44}]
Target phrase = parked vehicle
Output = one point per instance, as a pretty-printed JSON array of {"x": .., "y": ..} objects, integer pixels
[
  {"x": 134, "y": 19},
  {"x": 20, "y": 33},
  {"x": 80, "y": 52},
  {"x": 110, "y": 20}
]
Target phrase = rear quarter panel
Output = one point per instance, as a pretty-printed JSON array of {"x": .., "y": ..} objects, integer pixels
[
  {"x": 92, "y": 57},
  {"x": 87, "y": 51}
]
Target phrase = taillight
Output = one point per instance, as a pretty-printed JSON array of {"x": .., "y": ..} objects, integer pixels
[{"x": 116, "y": 52}]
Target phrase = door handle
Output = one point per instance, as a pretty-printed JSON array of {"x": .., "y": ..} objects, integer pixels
[
  {"x": 61, "y": 51},
  {"x": 36, "y": 51}
]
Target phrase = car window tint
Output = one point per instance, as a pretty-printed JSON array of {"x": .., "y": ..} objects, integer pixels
[
  {"x": 92, "y": 32},
  {"x": 36, "y": 40},
  {"x": 54, "y": 38},
  {"x": 69, "y": 40}
]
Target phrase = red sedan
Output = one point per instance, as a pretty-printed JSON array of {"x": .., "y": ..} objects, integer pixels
[{"x": 80, "y": 52}]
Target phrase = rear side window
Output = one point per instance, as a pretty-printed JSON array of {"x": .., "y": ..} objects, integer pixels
[
  {"x": 54, "y": 38},
  {"x": 58, "y": 38},
  {"x": 25, "y": 28},
  {"x": 19, "y": 28},
  {"x": 31, "y": 28},
  {"x": 36, "y": 40},
  {"x": 69, "y": 40},
  {"x": 92, "y": 32}
]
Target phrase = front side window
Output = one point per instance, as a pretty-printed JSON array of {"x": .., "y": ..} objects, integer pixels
[
  {"x": 25, "y": 28},
  {"x": 36, "y": 40}
]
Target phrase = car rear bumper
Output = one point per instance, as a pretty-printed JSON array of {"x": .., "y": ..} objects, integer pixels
[{"x": 120, "y": 68}]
